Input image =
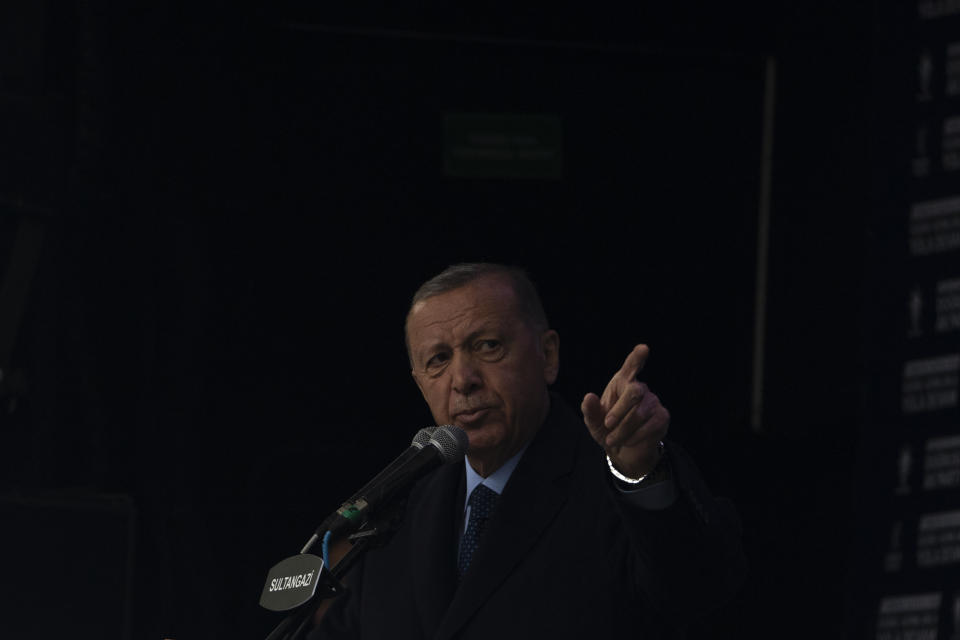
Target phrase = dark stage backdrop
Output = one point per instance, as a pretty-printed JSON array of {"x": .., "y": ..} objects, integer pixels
[
  {"x": 215, "y": 323},
  {"x": 645, "y": 232}
]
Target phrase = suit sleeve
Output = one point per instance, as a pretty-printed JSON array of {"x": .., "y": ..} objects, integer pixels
[{"x": 688, "y": 557}]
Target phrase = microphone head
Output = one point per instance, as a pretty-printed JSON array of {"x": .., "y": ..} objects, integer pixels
[
  {"x": 451, "y": 441},
  {"x": 423, "y": 437}
]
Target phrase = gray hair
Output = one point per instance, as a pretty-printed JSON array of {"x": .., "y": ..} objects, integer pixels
[{"x": 459, "y": 275}]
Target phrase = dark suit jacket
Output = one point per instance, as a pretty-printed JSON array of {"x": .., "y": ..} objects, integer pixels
[{"x": 564, "y": 556}]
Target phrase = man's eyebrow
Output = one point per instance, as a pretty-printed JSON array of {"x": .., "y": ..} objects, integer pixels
[
  {"x": 487, "y": 328},
  {"x": 432, "y": 347}
]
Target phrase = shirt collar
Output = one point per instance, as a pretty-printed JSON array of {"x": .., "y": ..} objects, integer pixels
[{"x": 497, "y": 480}]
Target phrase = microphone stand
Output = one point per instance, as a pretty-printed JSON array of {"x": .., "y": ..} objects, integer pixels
[{"x": 370, "y": 535}]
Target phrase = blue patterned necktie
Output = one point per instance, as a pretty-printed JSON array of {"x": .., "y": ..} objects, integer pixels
[{"x": 482, "y": 501}]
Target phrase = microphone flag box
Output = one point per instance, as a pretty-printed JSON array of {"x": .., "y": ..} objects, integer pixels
[{"x": 291, "y": 582}]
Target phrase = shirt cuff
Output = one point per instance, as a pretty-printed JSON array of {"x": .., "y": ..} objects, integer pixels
[{"x": 654, "y": 497}]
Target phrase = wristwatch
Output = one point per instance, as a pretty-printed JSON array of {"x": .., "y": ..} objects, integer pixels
[{"x": 659, "y": 472}]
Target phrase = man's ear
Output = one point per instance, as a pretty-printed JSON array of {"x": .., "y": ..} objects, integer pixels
[{"x": 550, "y": 347}]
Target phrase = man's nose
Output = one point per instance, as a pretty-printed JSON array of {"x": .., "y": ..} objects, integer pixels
[{"x": 466, "y": 375}]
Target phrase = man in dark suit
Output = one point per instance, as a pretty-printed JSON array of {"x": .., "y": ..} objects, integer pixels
[{"x": 541, "y": 532}]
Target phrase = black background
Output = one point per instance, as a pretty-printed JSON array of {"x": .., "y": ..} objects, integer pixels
[{"x": 238, "y": 201}]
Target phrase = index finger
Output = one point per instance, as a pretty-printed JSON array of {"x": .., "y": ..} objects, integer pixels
[{"x": 635, "y": 361}]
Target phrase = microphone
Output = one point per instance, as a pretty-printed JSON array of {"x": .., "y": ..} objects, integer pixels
[
  {"x": 443, "y": 445},
  {"x": 419, "y": 441},
  {"x": 295, "y": 581}
]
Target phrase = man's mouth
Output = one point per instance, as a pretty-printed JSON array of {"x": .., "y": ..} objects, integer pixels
[{"x": 471, "y": 417}]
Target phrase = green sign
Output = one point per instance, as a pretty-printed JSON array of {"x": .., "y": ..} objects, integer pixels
[{"x": 503, "y": 146}]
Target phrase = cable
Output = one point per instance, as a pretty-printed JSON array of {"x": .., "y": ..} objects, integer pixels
[{"x": 326, "y": 550}]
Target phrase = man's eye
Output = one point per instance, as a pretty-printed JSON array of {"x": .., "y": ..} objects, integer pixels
[
  {"x": 488, "y": 346},
  {"x": 437, "y": 361}
]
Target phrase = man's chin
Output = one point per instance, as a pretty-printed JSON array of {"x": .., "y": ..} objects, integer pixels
[{"x": 483, "y": 437}]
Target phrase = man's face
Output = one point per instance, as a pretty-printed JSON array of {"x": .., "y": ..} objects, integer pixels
[{"x": 482, "y": 367}]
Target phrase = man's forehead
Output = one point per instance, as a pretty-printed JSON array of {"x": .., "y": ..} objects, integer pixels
[{"x": 485, "y": 300}]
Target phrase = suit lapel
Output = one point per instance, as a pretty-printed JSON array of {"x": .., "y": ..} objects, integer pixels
[
  {"x": 434, "y": 541},
  {"x": 533, "y": 496}
]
